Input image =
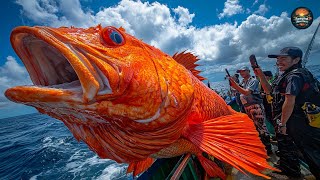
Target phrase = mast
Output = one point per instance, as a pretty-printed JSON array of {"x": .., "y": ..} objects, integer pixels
[{"x": 307, "y": 53}]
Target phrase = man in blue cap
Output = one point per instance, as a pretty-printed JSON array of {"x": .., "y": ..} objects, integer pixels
[
  {"x": 251, "y": 99},
  {"x": 290, "y": 90}
]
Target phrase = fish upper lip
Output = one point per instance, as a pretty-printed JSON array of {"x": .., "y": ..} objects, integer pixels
[{"x": 45, "y": 53}]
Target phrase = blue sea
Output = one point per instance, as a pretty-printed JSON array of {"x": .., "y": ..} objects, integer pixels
[{"x": 36, "y": 146}]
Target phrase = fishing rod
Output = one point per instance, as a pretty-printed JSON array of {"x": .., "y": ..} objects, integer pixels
[{"x": 307, "y": 53}]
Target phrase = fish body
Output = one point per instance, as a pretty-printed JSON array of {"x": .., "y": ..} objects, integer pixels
[{"x": 129, "y": 101}]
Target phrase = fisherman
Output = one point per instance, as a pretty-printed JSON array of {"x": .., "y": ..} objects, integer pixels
[
  {"x": 290, "y": 90},
  {"x": 252, "y": 101}
]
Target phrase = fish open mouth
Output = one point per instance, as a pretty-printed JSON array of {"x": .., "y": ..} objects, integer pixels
[
  {"x": 47, "y": 66},
  {"x": 54, "y": 65}
]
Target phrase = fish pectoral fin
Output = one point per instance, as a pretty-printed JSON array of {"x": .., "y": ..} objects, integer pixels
[
  {"x": 232, "y": 139},
  {"x": 140, "y": 166}
]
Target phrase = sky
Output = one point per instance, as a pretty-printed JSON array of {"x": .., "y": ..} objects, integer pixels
[{"x": 223, "y": 34}]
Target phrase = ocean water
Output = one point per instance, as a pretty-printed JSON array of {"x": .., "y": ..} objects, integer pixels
[{"x": 36, "y": 147}]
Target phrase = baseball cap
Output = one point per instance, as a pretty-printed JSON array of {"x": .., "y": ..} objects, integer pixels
[
  {"x": 244, "y": 68},
  {"x": 288, "y": 51}
]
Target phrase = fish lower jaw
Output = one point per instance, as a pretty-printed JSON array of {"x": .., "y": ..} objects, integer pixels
[
  {"x": 65, "y": 92},
  {"x": 39, "y": 94}
]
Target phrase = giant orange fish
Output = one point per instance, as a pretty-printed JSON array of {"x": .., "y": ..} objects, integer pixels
[{"x": 129, "y": 101}]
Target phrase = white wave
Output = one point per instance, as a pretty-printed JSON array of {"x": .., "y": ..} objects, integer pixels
[
  {"x": 114, "y": 171},
  {"x": 55, "y": 143},
  {"x": 35, "y": 177},
  {"x": 78, "y": 162}
]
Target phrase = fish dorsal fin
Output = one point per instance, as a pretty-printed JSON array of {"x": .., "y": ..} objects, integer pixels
[{"x": 188, "y": 60}]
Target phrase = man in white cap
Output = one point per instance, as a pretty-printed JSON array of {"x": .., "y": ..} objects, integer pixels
[{"x": 252, "y": 101}]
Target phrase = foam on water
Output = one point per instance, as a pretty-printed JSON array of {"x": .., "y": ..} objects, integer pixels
[
  {"x": 115, "y": 171},
  {"x": 35, "y": 177}
]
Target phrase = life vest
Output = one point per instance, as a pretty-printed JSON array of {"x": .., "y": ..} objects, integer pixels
[
  {"x": 310, "y": 91},
  {"x": 308, "y": 100}
]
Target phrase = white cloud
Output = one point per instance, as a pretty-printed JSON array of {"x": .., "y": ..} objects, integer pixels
[
  {"x": 262, "y": 10},
  {"x": 231, "y": 7},
  {"x": 144, "y": 20},
  {"x": 219, "y": 46},
  {"x": 184, "y": 16},
  {"x": 12, "y": 74},
  {"x": 261, "y": 36},
  {"x": 56, "y": 13}
]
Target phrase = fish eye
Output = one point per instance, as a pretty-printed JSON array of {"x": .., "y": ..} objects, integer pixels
[
  {"x": 112, "y": 37},
  {"x": 116, "y": 37}
]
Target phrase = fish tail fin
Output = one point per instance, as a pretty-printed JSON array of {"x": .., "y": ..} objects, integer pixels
[
  {"x": 232, "y": 139},
  {"x": 211, "y": 167},
  {"x": 140, "y": 166}
]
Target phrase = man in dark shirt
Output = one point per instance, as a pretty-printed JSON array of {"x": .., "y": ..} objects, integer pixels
[{"x": 293, "y": 126}]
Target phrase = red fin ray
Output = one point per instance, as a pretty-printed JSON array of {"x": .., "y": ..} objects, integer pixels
[
  {"x": 232, "y": 139},
  {"x": 211, "y": 167},
  {"x": 188, "y": 60},
  {"x": 140, "y": 166}
]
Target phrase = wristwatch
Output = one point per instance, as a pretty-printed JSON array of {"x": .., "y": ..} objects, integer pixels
[{"x": 282, "y": 125}]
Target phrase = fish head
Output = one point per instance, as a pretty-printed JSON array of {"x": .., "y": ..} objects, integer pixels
[{"x": 99, "y": 74}]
